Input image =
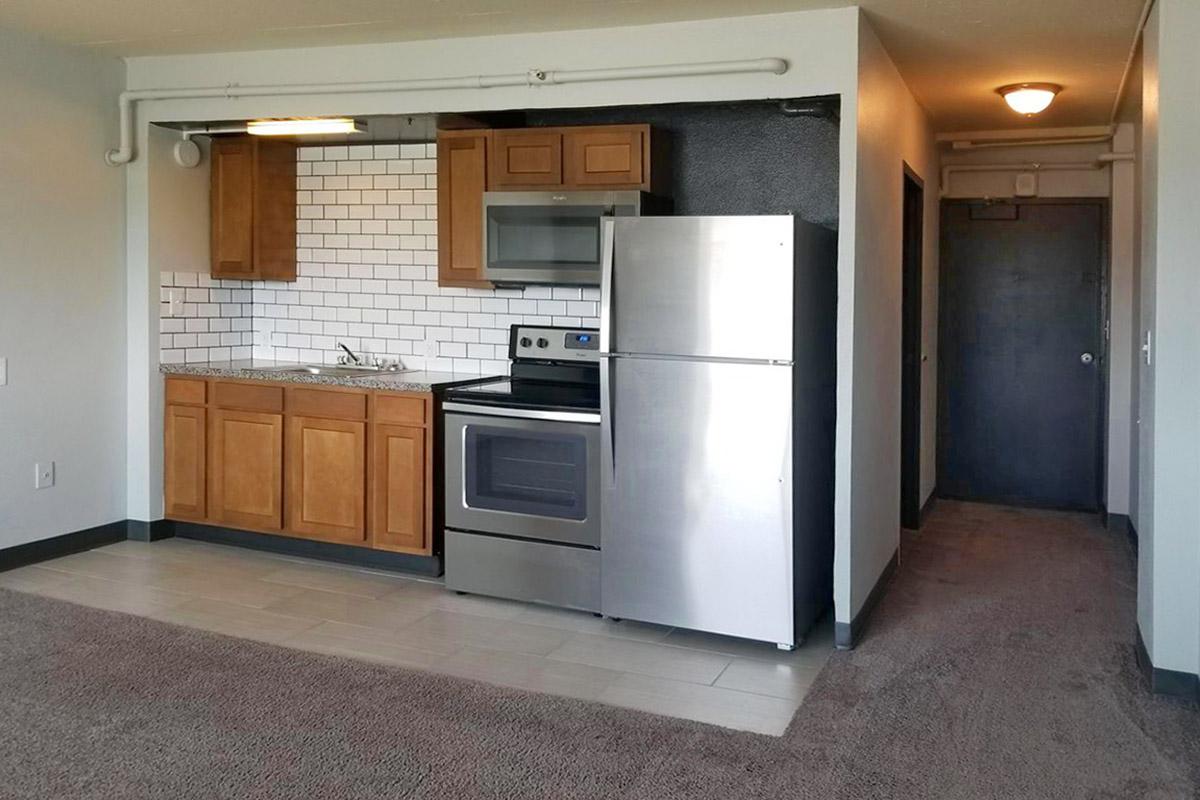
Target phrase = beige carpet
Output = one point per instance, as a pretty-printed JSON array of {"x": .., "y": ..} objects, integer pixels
[{"x": 999, "y": 665}]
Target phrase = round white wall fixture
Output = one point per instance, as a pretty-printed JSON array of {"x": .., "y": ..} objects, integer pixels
[{"x": 187, "y": 154}]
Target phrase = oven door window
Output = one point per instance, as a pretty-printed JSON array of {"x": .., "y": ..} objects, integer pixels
[
  {"x": 547, "y": 237},
  {"x": 525, "y": 472}
]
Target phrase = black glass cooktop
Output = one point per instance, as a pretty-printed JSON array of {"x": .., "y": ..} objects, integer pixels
[{"x": 527, "y": 393}]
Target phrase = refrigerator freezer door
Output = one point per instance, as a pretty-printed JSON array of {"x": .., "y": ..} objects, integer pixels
[
  {"x": 708, "y": 287},
  {"x": 696, "y": 476}
]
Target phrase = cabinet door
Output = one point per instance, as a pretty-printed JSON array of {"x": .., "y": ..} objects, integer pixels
[
  {"x": 327, "y": 479},
  {"x": 274, "y": 229},
  {"x": 462, "y": 178},
  {"x": 232, "y": 199},
  {"x": 525, "y": 158},
  {"x": 400, "y": 483},
  {"x": 183, "y": 462},
  {"x": 245, "y": 469},
  {"x": 606, "y": 157}
]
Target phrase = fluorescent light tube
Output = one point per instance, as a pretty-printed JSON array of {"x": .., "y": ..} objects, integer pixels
[{"x": 303, "y": 127}]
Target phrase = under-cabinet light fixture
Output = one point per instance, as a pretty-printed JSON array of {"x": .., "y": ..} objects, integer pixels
[{"x": 303, "y": 127}]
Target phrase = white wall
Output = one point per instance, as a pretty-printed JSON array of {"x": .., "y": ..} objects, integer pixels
[
  {"x": 1122, "y": 283},
  {"x": 1169, "y": 572},
  {"x": 892, "y": 129},
  {"x": 62, "y": 310}
]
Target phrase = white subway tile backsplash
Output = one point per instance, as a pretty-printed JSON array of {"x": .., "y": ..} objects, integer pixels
[{"x": 367, "y": 266}]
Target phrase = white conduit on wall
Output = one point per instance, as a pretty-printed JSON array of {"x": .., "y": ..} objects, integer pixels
[
  {"x": 534, "y": 77},
  {"x": 1100, "y": 163}
]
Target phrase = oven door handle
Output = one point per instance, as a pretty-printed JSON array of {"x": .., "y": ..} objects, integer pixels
[{"x": 523, "y": 413}]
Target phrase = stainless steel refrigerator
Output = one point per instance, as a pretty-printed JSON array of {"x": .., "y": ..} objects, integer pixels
[{"x": 718, "y": 343}]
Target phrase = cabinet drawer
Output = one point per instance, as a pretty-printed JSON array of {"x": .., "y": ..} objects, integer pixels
[
  {"x": 186, "y": 391},
  {"x": 247, "y": 396},
  {"x": 399, "y": 410},
  {"x": 326, "y": 403}
]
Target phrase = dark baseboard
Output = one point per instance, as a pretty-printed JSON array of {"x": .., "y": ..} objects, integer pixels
[
  {"x": 57, "y": 546},
  {"x": 140, "y": 531},
  {"x": 306, "y": 548},
  {"x": 1166, "y": 681},
  {"x": 930, "y": 502},
  {"x": 847, "y": 635},
  {"x": 1123, "y": 525}
]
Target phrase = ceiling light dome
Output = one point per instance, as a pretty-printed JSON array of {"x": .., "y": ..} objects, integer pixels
[{"x": 1029, "y": 98}]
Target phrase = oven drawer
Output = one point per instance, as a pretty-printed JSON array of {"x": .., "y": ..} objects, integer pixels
[
  {"x": 521, "y": 477},
  {"x": 535, "y": 572}
]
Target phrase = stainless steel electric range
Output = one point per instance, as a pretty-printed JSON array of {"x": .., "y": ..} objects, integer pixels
[{"x": 523, "y": 473}]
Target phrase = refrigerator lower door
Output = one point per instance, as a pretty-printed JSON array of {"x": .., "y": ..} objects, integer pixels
[{"x": 696, "y": 476}]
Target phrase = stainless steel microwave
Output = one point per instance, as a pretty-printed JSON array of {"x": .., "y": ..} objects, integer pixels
[{"x": 553, "y": 237}]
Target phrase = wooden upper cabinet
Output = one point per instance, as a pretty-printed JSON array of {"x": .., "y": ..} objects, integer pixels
[
  {"x": 183, "y": 461},
  {"x": 523, "y": 159},
  {"x": 232, "y": 197},
  {"x": 245, "y": 469},
  {"x": 607, "y": 157},
  {"x": 327, "y": 479},
  {"x": 462, "y": 178},
  {"x": 253, "y": 198},
  {"x": 400, "y": 486}
]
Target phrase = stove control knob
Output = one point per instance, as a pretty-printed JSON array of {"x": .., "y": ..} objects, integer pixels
[
  {"x": 526, "y": 341},
  {"x": 543, "y": 343}
]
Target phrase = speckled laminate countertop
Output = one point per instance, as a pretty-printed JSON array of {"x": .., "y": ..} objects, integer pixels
[{"x": 259, "y": 369}]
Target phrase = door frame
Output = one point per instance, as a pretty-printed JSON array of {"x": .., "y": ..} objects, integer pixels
[
  {"x": 1102, "y": 335},
  {"x": 912, "y": 267}
]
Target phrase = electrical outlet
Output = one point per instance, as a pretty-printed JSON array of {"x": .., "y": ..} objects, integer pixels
[
  {"x": 175, "y": 303},
  {"x": 43, "y": 475}
]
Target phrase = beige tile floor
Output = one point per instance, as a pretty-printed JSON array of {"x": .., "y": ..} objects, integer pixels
[{"x": 408, "y": 622}]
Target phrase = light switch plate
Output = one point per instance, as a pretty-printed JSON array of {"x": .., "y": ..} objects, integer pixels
[
  {"x": 3, "y": 371},
  {"x": 174, "y": 302},
  {"x": 44, "y": 475}
]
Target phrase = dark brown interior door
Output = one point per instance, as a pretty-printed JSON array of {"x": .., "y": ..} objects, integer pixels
[{"x": 1021, "y": 351}]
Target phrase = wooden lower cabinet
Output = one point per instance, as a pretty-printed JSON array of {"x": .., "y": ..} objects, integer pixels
[
  {"x": 245, "y": 469},
  {"x": 327, "y": 479},
  {"x": 183, "y": 464},
  {"x": 400, "y": 487},
  {"x": 342, "y": 466}
]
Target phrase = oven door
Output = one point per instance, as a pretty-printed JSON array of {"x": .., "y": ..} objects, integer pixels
[
  {"x": 548, "y": 237},
  {"x": 523, "y": 473}
]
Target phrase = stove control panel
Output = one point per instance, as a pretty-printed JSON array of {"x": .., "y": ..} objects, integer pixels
[{"x": 544, "y": 343}]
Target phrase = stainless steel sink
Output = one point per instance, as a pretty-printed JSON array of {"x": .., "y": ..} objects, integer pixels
[{"x": 334, "y": 371}]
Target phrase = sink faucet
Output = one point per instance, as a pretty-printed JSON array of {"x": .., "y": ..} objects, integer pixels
[{"x": 350, "y": 354}]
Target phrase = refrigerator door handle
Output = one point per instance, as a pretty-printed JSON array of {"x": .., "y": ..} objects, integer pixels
[
  {"x": 608, "y": 442},
  {"x": 607, "y": 238}
]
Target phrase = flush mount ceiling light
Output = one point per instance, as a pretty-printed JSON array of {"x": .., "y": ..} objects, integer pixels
[
  {"x": 1029, "y": 98},
  {"x": 302, "y": 127}
]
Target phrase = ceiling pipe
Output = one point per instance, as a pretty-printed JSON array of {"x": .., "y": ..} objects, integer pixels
[
  {"x": 123, "y": 154},
  {"x": 1133, "y": 48},
  {"x": 949, "y": 169},
  {"x": 962, "y": 144}
]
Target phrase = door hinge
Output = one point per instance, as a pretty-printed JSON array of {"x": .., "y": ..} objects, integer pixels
[{"x": 1107, "y": 323}]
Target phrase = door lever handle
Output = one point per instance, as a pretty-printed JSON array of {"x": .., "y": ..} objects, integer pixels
[{"x": 1086, "y": 358}]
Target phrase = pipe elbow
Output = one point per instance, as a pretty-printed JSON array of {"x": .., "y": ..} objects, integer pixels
[{"x": 118, "y": 156}]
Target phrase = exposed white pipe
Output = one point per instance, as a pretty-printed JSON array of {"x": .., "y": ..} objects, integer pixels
[
  {"x": 123, "y": 154},
  {"x": 949, "y": 169},
  {"x": 962, "y": 144},
  {"x": 1109, "y": 158},
  {"x": 1133, "y": 48}
]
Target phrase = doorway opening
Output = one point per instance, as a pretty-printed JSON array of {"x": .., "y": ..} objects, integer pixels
[
  {"x": 912, "y": 357},
  {"x": 1021, "y": 352}
]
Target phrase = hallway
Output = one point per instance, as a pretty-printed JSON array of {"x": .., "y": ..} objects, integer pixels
[{"x": 1001, "y": 663}]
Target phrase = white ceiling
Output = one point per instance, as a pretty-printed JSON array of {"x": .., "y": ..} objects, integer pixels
[{"x": 953, "y": 53}]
